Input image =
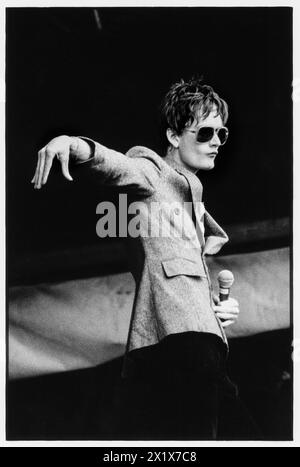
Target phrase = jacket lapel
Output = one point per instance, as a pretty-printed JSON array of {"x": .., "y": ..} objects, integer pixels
[
  {"x": 196, "y": 193},
  {"x": 215, "y": 236}
]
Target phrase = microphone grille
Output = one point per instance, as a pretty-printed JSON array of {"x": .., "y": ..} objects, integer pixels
[{"x": 225, "y": 278}]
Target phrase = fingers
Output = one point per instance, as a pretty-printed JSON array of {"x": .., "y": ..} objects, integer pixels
[
  {"x": 216, "y": 299},
  {"x": 37, "y": 171},
  {"x": 33, "y": 180},
  {"x": 42, "y": 156},
  {"x": 232, "y": 302},
  {"x": 225, "y": 324},
  {"x": 226, "y": 309},
  {"x": 227, "y": 315},
  {"x": 48, "y": 164},
  {"x": 64, "y": 160},
  {"x": 46, "y": 156},
  {"x": 45, "y": 161}
]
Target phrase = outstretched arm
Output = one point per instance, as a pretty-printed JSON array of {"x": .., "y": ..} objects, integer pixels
[{"x": 137, "y": 171}]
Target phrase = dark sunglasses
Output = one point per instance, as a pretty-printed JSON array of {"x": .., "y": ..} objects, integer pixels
[{"x": 206, "y": 133}]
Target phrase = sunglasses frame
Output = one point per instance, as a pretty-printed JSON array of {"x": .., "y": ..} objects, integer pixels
[{"x": 216, "y": 131}]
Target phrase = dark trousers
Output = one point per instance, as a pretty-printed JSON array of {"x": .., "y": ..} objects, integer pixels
[{"x": 179, "y": 389}]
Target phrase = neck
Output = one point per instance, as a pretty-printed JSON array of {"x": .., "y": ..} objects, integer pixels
[{"x": 174, "y": 156}]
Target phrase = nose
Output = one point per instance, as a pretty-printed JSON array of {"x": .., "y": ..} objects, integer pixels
[{"x": 215, "y": 141}]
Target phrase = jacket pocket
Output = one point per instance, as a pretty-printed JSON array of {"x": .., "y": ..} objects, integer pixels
[{"x": 183, "y": 266}]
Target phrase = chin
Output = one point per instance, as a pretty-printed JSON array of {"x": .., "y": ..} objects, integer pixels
[{"x": 209, "y": 166}]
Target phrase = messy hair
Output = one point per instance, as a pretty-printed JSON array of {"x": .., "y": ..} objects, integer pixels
[{"x": 186, "y": 100}]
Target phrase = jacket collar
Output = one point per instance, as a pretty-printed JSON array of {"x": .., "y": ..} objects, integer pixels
[
  {"x": 178, "y": 167},
  {"x": 193, "y": 180}
]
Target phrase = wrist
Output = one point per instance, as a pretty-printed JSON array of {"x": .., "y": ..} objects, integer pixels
[
  {"x": 80, "y": 149},
  {"x": 74, "y": 143}
]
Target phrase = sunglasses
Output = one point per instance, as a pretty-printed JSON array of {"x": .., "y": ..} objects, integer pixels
[{"x": 206, "y": 133}]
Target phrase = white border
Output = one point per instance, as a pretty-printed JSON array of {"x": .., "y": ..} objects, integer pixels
[{"x": 296, "y": 57}]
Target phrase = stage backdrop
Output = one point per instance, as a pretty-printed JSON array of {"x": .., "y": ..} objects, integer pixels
[{"x": 80, "y": 323}]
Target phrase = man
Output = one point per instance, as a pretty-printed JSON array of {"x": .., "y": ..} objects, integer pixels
[{"x": 174, "y": 373}]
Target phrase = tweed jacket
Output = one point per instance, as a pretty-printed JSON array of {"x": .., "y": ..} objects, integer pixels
[{"x": 173, "y": 288}]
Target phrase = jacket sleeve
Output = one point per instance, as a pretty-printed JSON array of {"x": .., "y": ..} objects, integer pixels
[{"x": 137, "y": 171}]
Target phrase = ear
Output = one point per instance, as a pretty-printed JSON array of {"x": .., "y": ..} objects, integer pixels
[{"x": 173, "y": 138}]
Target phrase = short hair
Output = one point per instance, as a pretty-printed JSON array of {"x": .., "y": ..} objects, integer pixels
[{"x": 183, "y": 102}]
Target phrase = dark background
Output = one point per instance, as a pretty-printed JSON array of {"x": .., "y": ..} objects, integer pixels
[{"x": 68, "y": 74}]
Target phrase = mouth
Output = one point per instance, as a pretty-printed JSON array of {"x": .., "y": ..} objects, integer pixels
[{"x": 212, "y": 154}]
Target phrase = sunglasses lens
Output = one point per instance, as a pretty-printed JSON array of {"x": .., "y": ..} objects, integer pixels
[
  {"x": 205, "y": 134},
  {"x": 223, "y": 135}
]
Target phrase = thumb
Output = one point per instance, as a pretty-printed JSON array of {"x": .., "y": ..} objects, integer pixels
[
  {"x": 64, "y": 160},
  {"x": 216, "y": 299}
]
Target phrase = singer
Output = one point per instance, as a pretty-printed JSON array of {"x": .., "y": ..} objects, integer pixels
[{"x": 174, "y": 382}]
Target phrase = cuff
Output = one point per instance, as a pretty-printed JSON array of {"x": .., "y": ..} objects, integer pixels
[{"x": 92, "y": 145}]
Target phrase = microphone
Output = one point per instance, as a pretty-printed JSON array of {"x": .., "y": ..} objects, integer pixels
[{"x": 225, "y": 279}]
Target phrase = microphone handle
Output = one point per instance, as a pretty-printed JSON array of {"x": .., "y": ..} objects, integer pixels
[{"x": 224, "y": 294}]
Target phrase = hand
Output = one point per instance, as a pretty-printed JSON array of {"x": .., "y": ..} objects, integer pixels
[
  {"x": 59, "y": 147},
  {"x": 228, "y": 310},
  {"x": 64, "y": 148}
]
